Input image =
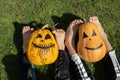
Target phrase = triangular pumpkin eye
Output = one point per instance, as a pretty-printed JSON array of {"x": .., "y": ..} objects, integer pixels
[
  {"x": 93, "y": 34},
  {"x": 39, "y": 36},
  {"x": 47, "y": 36},
  {"x": 84, "y": 35}
]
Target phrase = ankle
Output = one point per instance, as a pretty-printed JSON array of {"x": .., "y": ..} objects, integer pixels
[{"x": 61, "y": 47}]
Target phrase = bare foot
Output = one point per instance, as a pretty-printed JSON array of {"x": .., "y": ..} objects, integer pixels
[
  {"x": 26, "y": 32},
  {"x": 60, "y": 37},
  {"x": 95, "y": 20},
  {"x": 103, "y": 35},
  {"x": 70, "y": 35}
]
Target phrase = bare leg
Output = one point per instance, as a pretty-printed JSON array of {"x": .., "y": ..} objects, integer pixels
[
  {"x": 70, "y": 35},
  {"x": 95, "y": 20},
  {"x": 79, "y": 70},
  {"x": 60, "y": 37},
  {"x": 111, "y": 61},
  {"x": 26, "y": 32},
  {"x": 103, "y": 35},
  {"x": 62, "y": 62}
]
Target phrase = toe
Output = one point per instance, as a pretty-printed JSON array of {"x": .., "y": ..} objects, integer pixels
[
  {"x": 62, "y": 31},
  {"x": 94, "y": 18},
  {"x": 32, "y": 29},
  {"x": 54, "y": 31},
  {"x": 25, "y": 29},
  {"x": 80, "y": 21},
  {"x": 90, "y": 19}
]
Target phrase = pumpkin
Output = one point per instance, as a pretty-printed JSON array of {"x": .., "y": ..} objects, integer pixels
[
  {"x": 90, "y": 46},
  {"x": 42, "y": 47}
]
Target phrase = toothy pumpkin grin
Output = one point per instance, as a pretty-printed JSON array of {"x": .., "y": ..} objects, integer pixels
[
  {"x": 94, "y": 48},
  {"x": 43, "y": 46}
]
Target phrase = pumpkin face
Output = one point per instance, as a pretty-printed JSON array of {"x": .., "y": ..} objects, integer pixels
[
  {"x": 42, "y": 47},
  {"x": 90, "y": 47}
]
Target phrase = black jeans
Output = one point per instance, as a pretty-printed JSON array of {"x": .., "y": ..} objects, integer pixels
[
  {"x": 61, "y": 67},
  {"x": 64, "y": 72}
]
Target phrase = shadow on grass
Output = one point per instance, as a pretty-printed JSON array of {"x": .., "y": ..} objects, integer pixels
[
  {"x": 12, "y": 67},
  {"x": 14, "y": 63},
  {"x": 64, "y": 20},
  {"x": 18, "y": 33}
]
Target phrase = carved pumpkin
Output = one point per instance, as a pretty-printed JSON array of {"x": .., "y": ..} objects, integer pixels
[
  {"x": 90, "y": 47},
  {"x": 42, "y": 47}
]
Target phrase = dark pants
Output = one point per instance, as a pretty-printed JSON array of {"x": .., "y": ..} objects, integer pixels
[
  {"x": 24, "y": 66},
  {"x": 62, "y": 70},
  {"x": 104, "y": 69},
  {"x": 62, "y": 67}
]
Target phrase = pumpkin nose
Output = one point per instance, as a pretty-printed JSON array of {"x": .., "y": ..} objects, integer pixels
[
  {"x": 89, "y": 39},
  {"x": 42, "y": 40}
]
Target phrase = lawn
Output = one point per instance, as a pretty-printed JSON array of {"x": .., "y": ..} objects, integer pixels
[{"x": 16, "y": 13}]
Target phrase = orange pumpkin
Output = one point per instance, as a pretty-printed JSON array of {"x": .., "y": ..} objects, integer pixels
[
  {"x": 90, "y": 47},
  {"x": 42, "y": 47}
]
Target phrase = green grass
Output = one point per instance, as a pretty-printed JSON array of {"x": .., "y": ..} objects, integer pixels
[{"x": 16, "y": 13}]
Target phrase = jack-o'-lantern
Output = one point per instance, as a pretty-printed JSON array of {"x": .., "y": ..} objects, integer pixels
[
  {"x": 90, "y": 47},
  {"x": 42, "y": 47}
]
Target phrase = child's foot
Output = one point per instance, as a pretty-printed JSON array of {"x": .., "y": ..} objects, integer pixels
[
  {"x": 103, "y": 35},
  {"x": 95, "y": 20},
  {"x": 26, "y": 32},
  {"x": 72, "y": 31},
  {"x": 60, "y": 37},
  {"x": 70, "y": 35}
]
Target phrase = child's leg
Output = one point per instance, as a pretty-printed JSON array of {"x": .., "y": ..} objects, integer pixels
[
  {"x": 71, "y": 33},
  {"x": 111, "y": 62},
  {"x": 62, "y": 63},
  {"x": 26, "y": 32},
  {"x": 61, "y": 71},
  {"x": 60, "y": 37},
  {"x": 95, "y": 20},
  {"x": 80, "y": 69}
]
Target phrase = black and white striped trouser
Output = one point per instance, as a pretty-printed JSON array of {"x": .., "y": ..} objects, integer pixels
[{"x": 81, "y": 70}]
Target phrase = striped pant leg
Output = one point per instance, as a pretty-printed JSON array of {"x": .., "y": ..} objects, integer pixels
[
  {"x": 80, "y": 67},
  {"x": 115, "y": 63}
]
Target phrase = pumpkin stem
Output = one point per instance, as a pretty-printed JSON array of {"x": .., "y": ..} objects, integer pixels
[
  {"x": 55, "y": 25},
  {"x": 84, "y": 20},
  {"x": 45, "y": 26}
]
